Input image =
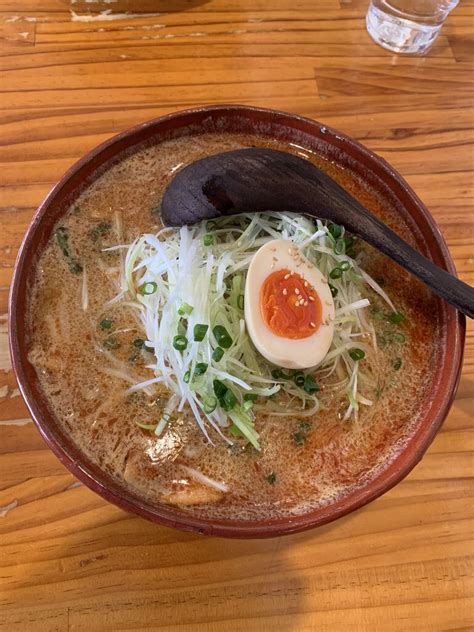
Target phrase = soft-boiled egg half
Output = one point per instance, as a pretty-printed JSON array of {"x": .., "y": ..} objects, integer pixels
[{"x": 289, "y": 309}]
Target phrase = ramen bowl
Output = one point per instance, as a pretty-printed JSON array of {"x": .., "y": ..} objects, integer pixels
[{"x": 337, "y": 149}]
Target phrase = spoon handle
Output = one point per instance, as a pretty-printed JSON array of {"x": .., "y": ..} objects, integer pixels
[
  {"x": 441, "y": 282},
  {"x": 345, "y": 209}
]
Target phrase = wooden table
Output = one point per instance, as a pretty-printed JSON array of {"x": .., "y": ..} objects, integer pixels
[{"x": 71, "y": 79}]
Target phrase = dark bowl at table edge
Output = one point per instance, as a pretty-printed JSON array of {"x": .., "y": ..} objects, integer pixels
[{"x": 447, "y": 373}]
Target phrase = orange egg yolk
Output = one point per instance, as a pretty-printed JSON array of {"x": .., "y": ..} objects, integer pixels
[{"x": 290, "y": 306}]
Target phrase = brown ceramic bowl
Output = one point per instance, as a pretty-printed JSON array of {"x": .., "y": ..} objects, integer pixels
[{"x": 372, "y": 170}]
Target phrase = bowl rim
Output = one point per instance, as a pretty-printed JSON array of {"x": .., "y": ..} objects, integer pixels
[{"x": 446, "y": 384}]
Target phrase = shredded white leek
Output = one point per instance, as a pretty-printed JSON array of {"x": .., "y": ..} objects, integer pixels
[{"x": 205, "y": 278}]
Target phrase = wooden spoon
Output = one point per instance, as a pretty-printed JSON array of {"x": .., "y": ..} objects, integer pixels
[{"x": 259, "y": 180}]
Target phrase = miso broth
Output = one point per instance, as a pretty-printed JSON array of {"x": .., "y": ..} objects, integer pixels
[{"x": 303, "y": 463}]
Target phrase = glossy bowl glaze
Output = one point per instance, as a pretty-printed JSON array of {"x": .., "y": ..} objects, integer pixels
[{"x": 346, "y": 153}]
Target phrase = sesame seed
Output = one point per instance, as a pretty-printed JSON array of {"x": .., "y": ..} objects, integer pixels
[
  {"x": 311, "y": 298},
  {"x": 301, "y": 301},
  {"x": 285, "y": 291},
  {"x": 297, "y": 290},
  {"x": 286, "y": 277},
  {"x": 305, "y": 303},
  {"x": 306, "y": 284},
  {"x": 312, "y": 325},
  {"x": 292, "y": 272}
]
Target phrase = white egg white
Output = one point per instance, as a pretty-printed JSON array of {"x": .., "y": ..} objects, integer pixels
[{"x": 287, "y": 352}]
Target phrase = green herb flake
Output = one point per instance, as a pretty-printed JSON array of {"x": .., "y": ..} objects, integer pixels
[
  {"x": 208, "y": 240},
  {"x": 139, "y": 343},
  {"x": 396, "y": 318},
  {"x": 62, "y": 239},
  {"x": 101, "y": 230},
  {"x": 106, "y": 323},
  {"x": 299, "y": 438},
  {"x": 111, "y": 343},
  {"x": 310, "y": 385},
  {"x": 397, "y": 364},
  {"x": 271, "y": 478},
  {"x": 334, "y": 290},
  {"x": 396, "y": 336},
  {"x": 305, "y": 426}
]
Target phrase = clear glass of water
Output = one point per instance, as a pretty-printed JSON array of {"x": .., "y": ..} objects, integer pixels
[{"x": 407, "y": 26}]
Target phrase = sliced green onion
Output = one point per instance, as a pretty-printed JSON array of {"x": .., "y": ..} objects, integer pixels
[
  {"x": 335, "y": 230},
  {"x": 106, "y": 323},
  {"x": 187, "y": 377},
  {"x": 201, "y": 368},
  {"x": 148, "y": 288},
  {"x": 138, "y": 343},
  {"x": 209, "y": 404},
  {"x": 334, "y": 290},
  {"x": 229, "y": 400},
  {"x": 235, "y": 431},
  {"x": 277, "y": 374},
  {"x": 345, "y": 266},
  {"x": 336, "y": 273},
  {"x": 180, "y": 343},
  {"x": 310, "y": 385},
  {"x": 219, "y": 389},
  {"x": 299, "y": 378},
  {"x": 250, "y": 397},
  {"x": 247, "y": 406},
  {"x": 305, "y": 425},
  {"x": 340, "y": 247},
  {"x": 217, "y": 354},
  {"x": 240, "y": 301},
  {"x": 200, "y": 331},
  {"x": 185, "y": 309},
  {"x": 357, "y": 354},
  {"x": 208, "y": 240},
  {"x": 396, "y": 318},
  {"x": 397, "y": 364},
  {"x": 222, "y": 336}
]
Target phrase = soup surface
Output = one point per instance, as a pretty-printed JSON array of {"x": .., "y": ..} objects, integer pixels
[{"x": 302, "y": 464}]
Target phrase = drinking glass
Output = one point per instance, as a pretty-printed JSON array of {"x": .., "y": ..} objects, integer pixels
[{"x": 407, "y": 26}]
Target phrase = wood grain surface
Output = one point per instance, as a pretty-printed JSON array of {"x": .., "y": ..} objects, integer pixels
[{"x": 75, "y": 72}]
